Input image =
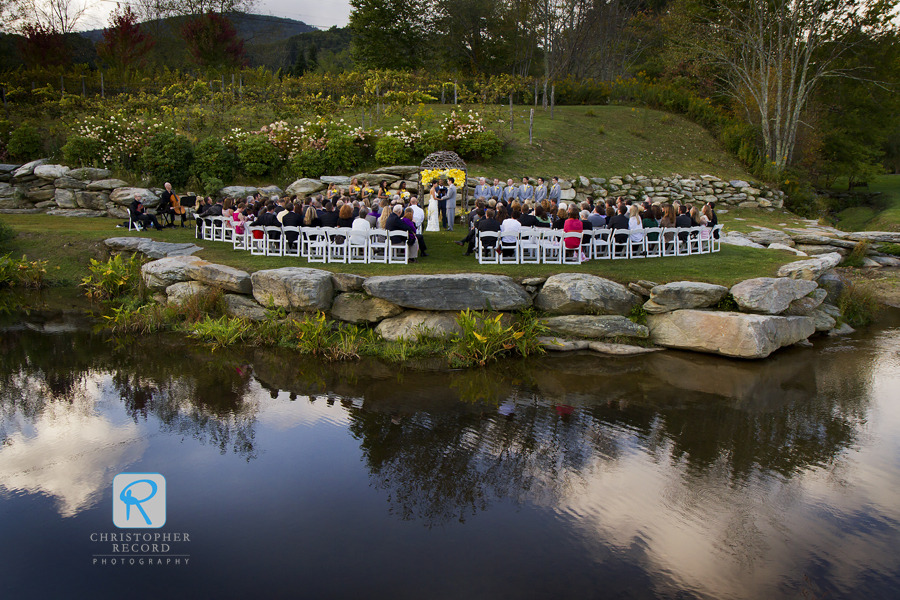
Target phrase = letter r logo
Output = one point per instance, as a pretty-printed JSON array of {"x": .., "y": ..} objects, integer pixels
[{"x": 139, "y": 500}]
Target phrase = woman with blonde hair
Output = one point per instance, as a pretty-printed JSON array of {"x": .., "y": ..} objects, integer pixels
[
  {"x": 311, "y": 218},
  {"x": 635, "y": 223}
]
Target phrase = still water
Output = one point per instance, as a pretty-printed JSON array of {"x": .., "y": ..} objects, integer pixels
[{"x": 673, "y": 476}]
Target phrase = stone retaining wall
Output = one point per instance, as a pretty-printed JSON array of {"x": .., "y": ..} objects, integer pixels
[
  {"x": 40, "y": 187},
  {"x": 771, "y": 312}
]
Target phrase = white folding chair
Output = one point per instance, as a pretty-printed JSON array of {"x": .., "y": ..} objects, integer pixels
[
  {"x": 636, "y": 247},
  {"x": 274, "y": 241},
  {"x": 600, "y": 242},
  {"x": 694, "y": 240},
  {"x": 257, "y": 243},
  {"x": 316, "y": 245},
  {"x": 653, "y": 242},
  {"x": 227, "y": 230},
  {"x": 486, "y": 247},
  {"x": 291, "y": 247},
  {"x": 621, "y": 244},
  {"x": 683, "y": 247},
  {"x": 398, "y": 248},
  {"x": 218, "y": 229},
  {"x": 240, "y": 241},
  {"x": 551, "y": 246},
  {"x": 669, "y": 239},
  {"x": 571, "y": 256},
  {"x": 337, "y": 244},
  {"x": 509, "y": 250},
  {"x": 378, "y": 246},
  {"x": 358, "y": 247},
  {"x": 529, "y": 246},
  {"x": 587, "y": 244},
  {"x": 716, "y": 238},
  {"x": 208, "y": 230},
  {"x": 133, "y": 224},
  {"x": 705, "y": 242}
]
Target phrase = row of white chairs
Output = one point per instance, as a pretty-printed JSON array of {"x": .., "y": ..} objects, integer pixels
[{"x": 536, "y": 245}]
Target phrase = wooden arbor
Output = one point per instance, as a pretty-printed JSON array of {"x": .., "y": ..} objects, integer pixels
[{"x": 445, "y": 161}]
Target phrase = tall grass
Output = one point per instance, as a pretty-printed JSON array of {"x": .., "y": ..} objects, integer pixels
[{"x": 859, "y": 304}]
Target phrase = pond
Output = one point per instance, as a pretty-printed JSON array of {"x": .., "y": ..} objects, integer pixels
[{"x": 674, "y": 475}]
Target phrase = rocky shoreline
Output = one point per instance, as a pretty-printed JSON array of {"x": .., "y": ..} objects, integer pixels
[{"x": 764, "y": 314}]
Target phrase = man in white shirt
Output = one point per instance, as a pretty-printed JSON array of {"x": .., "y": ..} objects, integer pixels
[{"x": 418, "y": 213}]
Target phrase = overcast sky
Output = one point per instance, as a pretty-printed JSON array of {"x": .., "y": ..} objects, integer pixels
[{"x": 318, "y": 13}]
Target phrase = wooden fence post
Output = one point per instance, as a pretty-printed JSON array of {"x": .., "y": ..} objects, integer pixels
[
  {"x": 552, "y": 99},
  {"x": 544, "y": 98},
  {"x": 83, "y": 90},
  {"x": 455, "y": 93},
  {"x": 530, "y": 126}
]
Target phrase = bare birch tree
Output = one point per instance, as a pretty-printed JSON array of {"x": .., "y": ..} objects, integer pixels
[{"x": 775, "y": 52}]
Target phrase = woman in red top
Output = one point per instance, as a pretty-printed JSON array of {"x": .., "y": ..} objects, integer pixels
[{"x": 573, "y": 223}]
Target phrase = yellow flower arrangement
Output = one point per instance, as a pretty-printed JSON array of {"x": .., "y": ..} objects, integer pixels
[{"x": 458, "y": 175}]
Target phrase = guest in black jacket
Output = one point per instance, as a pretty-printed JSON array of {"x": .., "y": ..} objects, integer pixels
[
  {"x": 395, "y": 223},
  {"x": 488, "y": 223},
  {"x": 293, "y": 219},
  {"x": 328, "y": 217},
  {"x": 136, "y": 210},
  {"x": 620, "y": 221}
]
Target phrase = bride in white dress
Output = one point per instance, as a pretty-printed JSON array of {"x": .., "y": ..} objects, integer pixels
[{"x": 433, "y": 210}]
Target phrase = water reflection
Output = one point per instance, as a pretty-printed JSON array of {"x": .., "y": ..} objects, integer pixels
[{"x": 712, "y": 477}]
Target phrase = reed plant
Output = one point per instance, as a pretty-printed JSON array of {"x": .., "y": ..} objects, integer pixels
[
  {"x": 115, "y": 278},
  {"x": 22, "y": 273},
  {"x": 859, "y": 304}
]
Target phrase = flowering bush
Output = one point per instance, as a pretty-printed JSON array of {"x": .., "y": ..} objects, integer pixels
[
  {"x": 122, "y": 137},
  {"x": 462, "y": 125},
  {"x": 168, "y": 157},
  {"x": 291, "y": 140},
  {"x": 407, "y": 132}
]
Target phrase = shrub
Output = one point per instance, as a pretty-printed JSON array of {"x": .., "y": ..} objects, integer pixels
[
  {"x": 483, "y": 144},
  {"x": 212, "y": 185},
  {"x": 856, "y": 256},
  {"x": 484, "y": 339},
  {"x": 728, "y": 303},
  {"x": 116, "y": 277},
  {"x": 391, "y": 151},
  {"x": 22, "y": 273},
  {"x": 25, "y": 143},
  {"x": 308, "y": 163},
  {"x": 341, "y": 154},
  {"x": 220, "y": 332},
  {"x": 257, "y": 155},
  {"x": 859, "y": 304},
  {"x": 213, "y": 159},
  {"x": 6, "y": 232},
  {"x": 81, "y": 151},
  {"x": 431, "y": 141},
  {"x": 168, "y": 157}
]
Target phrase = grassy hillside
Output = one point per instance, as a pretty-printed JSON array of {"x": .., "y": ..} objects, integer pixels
[{"x": 883, "y": 215}]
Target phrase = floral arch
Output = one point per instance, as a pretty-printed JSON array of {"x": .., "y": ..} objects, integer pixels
[{"x": 445, "y": 164}]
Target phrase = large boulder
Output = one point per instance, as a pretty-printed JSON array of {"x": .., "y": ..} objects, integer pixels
[
  {"x": 578, "y": 293},
  {"x": 150, "y": 247},
  {"x": 341, "y": 180},
  {"x": 450, "y": 292},
  {"x": 294, "y": 288},
  {"x": 375, "y": 178},
  {"x": 124, "y": 196},
  {"x": 65, "y": 198},
  {"x": 271, "y": 190},
  {"x": 28, "y": 168},
  {"x": 595, "y": 326},
  {"x": 734, "y": 238},
  {"x": 305, "y": 187},
  {"x": 412, "y": 324},
  {"x": 824, "y": 322},
  {"x": 160, "y": 274},
  {"x": 806, "y": 305},
  {"x": 237, "y": 191},
  {"x": 69, "y": 183},
  {"x": 888, "y": 237},
  {"x": 92, "y": 200},
  {"x": 220, "y": 276},
  {"x": 402, "y": 170},
  {"x": 179, "y": 293},
  {"x": 244, "y": 307},
  {"x": 810, "y": 269},
  {"x": 347, "y": 282},
  {"x": 770, "y": 295},
  {"x": 107, "y": 184},
  {"x": 770, "y": 236},
  {"x": 89, "y": 174},
  {"x": 360, "y": 308},
  {"x": 819, "y": 250},
  {"x": 683, "y": 294},
  {"x": 728, "y": 333},
  {"x": 51, "y": 172},
  {"x": 76, "y": 212}
]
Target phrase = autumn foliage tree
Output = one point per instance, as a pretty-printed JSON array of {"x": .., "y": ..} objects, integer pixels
[
  {"x": 212, "y": 41},
  {"x": 124, "y": 45},
  {"x": 42, "y": 45}
]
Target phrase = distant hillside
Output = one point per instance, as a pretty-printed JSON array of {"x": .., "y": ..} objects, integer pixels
[{"x": 253, "y": 29}]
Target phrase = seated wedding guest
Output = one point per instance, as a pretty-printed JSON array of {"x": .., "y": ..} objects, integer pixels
[
  {"x": 705, "y": 222},
  {"x": 418, "y": 213},
  {"x": 345, "y": 216},
  {"x": 648, "y": 219},
  {"x": 311, "y": 218},
  {"x": 634, "y": 223},
  {"x": 294, "y": 218},
  {"x": 510, "y": 225},
  {"x": 328, "y": 216},
  {"x": 573, "y": 224},
  {"x": 562, "y": 214},
  {"x": 527, "y": 218},
  {"x": 540, "y": 219},
  {"x": 683, "y": 220},
  {"x": 502, "y": 214},
  {"x": 619, "y": 222},
  {"x": 586, "y": 224},
  {"x": 238, "y": 220},
  {"x": 488, "y": 223},
  {"x": 598, "y": 216},
  {"x": 395, "y": 222},
  {"x": 140, "y": 216},
  {"x": 409, "y": 220},
  {"x": 474, "y": 216}
]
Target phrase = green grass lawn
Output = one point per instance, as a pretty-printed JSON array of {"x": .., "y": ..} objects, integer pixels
[
  {"x": 70, "y": 243},
  {"x": 883, "y": 215}
]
